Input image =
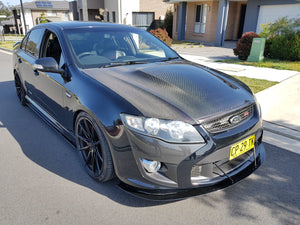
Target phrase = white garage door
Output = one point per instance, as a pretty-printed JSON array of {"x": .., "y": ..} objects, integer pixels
[{"x": 270, "y": 13}]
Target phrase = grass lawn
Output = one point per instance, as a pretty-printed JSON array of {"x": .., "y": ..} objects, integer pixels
[
  {"x": 270, "y": 63},
  {"x": 256, "y": 85},
  {"x": 14, "y": 35},
  {"x": 7, "y": 44},
  {"x": 185, "y": 44}
]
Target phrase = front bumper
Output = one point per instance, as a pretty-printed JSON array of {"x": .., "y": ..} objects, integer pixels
[
  {"x": 173, "y": 194},
  {"x": 187, "y": 169}
]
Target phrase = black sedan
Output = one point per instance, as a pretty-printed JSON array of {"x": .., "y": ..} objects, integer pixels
[{"x": 164, "y": 126}]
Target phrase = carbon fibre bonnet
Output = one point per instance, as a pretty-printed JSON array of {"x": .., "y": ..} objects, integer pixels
[{"x": 176, "y": 90}]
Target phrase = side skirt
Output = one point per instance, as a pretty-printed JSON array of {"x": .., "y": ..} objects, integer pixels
[{"x": 51, "y": 121}]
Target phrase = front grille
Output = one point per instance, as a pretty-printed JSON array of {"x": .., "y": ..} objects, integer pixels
[{"x": 223, "y": 123}]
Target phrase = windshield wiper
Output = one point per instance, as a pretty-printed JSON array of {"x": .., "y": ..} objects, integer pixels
[
  {"x": 113, "y": 64},
  {"x": 170, "y": 58}
]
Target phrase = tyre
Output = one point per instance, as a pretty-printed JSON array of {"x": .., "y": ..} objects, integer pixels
[
  {"x": 20, "y": 90},
  {"x": 93, "y": 148}
]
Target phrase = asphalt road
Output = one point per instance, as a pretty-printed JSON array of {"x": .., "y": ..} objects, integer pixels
[{"x": 42, "y": 182}]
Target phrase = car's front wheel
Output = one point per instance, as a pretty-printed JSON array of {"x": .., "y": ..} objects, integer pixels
[
  {"x": 20, "y": 90},
  {"x": 93, "y": 148}
]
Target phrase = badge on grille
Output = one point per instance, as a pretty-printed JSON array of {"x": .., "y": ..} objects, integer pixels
[{"x": 235, "y": 119}]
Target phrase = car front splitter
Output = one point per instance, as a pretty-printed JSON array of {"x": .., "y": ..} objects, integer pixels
[{"x": 177, "y": 194}]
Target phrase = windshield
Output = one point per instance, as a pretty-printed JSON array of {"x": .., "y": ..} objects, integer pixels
[{"x": 102, "y": 47}]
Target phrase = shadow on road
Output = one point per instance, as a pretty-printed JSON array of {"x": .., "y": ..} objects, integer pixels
[
  {"x": 275, "y": 185},
  {"x": 47, "y": 148}
]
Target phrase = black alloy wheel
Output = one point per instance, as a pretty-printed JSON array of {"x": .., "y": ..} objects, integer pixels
[
  {"x": 20, "y": 90},
  {"x": 93, "y": 148}
]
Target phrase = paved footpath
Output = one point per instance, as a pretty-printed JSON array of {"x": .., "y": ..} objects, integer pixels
[
  {"x": 242, "y": 70},
  {"x": 281, "y": 109}
]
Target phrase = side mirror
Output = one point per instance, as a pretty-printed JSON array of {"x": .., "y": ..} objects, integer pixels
[
  {"x": 17, "y": 43},
  {"x": 47, "y": 64}
]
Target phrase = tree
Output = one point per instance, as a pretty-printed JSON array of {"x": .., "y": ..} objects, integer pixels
[
  {"x": 4, "y": 10},
  {"x": 43, "y": 18}
]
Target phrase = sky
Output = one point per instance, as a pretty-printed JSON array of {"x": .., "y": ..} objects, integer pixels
[{"x": 17, "y": 2}]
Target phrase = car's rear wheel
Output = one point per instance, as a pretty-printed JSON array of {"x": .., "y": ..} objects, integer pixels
[
  {"x": 93, "y": 148},
  {"x": 20, "y": 90}
]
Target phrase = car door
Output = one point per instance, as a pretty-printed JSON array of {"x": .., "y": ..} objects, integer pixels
[
  {"x": 50, "y": 85},
  {"x": 27, "y": 55}
]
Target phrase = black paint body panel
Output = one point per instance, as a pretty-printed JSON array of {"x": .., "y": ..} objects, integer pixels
[{"x": 173, "y": 90}]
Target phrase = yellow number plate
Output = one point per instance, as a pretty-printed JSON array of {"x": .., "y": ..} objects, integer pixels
[{"x": 241, "y": 147}]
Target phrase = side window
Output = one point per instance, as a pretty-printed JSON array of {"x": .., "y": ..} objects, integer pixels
[
  {"x": 34, "y": 41},
  {"x": 24, "y": 41},
  {"x": 53, "y": 49}
]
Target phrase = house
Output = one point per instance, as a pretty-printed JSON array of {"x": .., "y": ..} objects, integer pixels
[
  {"x": 87, "y": 10},
  {"x": 139, "y": 13},
  {"x": 8, "y": 25},
  {"x": 217, "y": 20},
  {"x": 54, "y": 11},
  {"x": 268, "y": 11}
]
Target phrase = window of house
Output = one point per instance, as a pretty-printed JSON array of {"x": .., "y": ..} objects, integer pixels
[
  {"x": 113, "y": 16},
  {"x": 65, "y": 16},
  {"x": 34, "y": 41},
  {"x": 51, "y": 13},
  {"x": 142, "y": 19},
  {"x": 200, "y": 20}
]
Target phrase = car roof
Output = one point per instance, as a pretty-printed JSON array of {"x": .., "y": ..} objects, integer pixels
[{"x": 81, "y": 24}]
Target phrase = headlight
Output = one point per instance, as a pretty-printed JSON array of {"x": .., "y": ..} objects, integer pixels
[{"x": 167, "y": 130}]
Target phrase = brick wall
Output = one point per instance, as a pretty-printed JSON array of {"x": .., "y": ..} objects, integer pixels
[
  {"x": 211, "y": 21},
  {"x": 157, "y": 6},
  {"x": 233, "y": 21},
  {"x": 175, "y": 33}
]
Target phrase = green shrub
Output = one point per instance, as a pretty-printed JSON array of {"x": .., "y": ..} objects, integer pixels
[
  {"x": 282, "y": 26},
  {"x": 267, "y": 48},
  {"x": 43, "y": 18},
  {"x": 243, "y": 46},
  {"x": 283, "y": 40},
  {"x": 285, "y": 47},
  {"x": 168, "y": 22},
  {"x": 162, "y": 34}
]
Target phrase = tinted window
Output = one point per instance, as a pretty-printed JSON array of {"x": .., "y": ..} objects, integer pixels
[
  {"x": 34, "y": 41},
  {"x": 23, "y": 44},
  {"x": 52, "y": 48},
  {"x": 93, "y": 47}
]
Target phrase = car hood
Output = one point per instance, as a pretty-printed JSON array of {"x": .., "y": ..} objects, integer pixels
[{"x": 176, "y": 90}]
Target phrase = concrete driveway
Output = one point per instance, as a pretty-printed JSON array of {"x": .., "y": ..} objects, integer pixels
[{"x": 42, "y": 182}]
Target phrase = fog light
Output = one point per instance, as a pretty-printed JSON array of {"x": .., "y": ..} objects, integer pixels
[{"x": 151, "y": 166}]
